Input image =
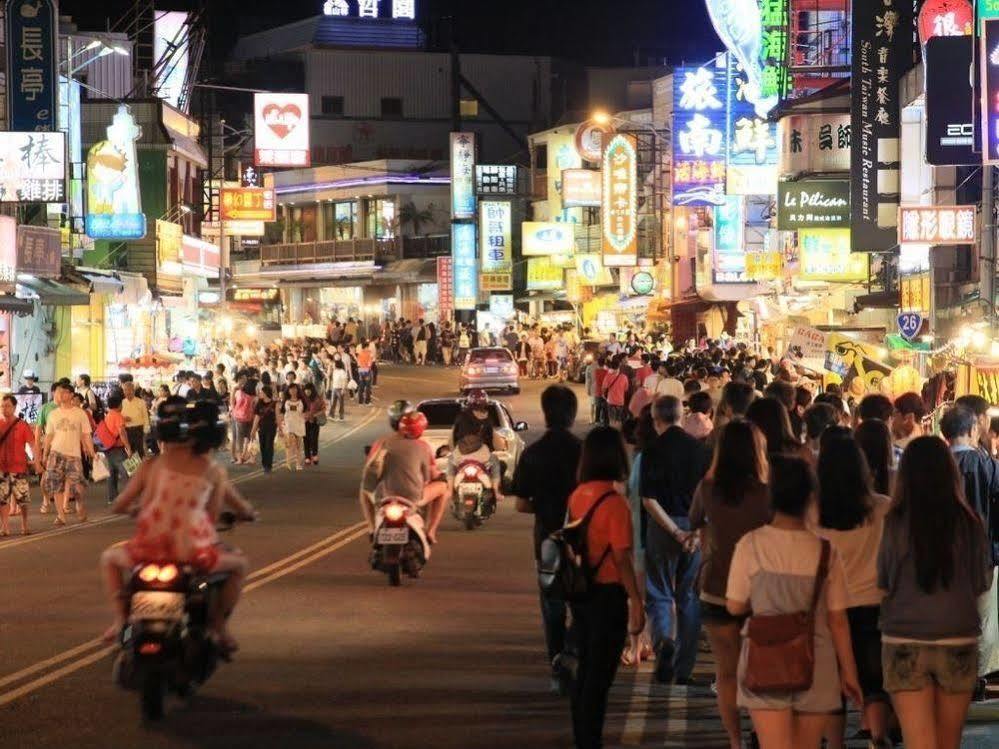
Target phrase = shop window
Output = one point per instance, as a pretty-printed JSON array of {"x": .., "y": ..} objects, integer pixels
[
  {"x": 391, "y": 108},
  {"x": 340, "y": 220},
  {"x": 381, "y": 221},
  {"x": 332, "y": 106}
]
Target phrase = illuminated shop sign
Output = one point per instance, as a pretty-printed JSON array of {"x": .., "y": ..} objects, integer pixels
[
  {"x": 990, "y": 89},
  {"x": 620, "y": 202},
  {"x": 826, "y": 256},
  {"x": 463, "y": 175},
  {"x": 816, "y": 142},
  {"x": 546, "y": 238},
  {"x": 936, "y": 224},
  {"x": 114, "y": 206},
  {"x": 248, "y": 204},
  {"x": 730, "y": 241},
  {"x": 465, "y": 267},
  {"x": 562, "y": 155},
  {"x": 582, "y": 188},
  {"x": 543, "y": 274},
  {"x": 945, "y": 18},
  {"x": 32, "y": 167},
  {"x": 590, "y": 138},
  {"x": 496, "y": 244},
  {"x": 813, "y": 203},
  {"x": 281, "y": 129},
  {"x": 397, "y": 9},
  {"x": 496, "y": 179},
  {"x": 32, "y": 61},
  {"x": 699, "y": 130}
]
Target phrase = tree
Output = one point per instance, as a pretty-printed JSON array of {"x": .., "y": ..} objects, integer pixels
[{"x": 410, "y": 214}]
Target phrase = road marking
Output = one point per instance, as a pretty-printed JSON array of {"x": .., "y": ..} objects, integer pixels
[
  {"x": 634, "y": 725},
  {"x": 256, "y": 579},
  {"x": 45, "y": 535}
]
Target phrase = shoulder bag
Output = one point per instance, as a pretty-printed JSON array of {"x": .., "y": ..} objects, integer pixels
[{"x": 781, "y": 647}]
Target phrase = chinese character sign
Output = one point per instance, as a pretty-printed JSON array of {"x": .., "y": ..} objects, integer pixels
[
  {"x": 496, "y": 244},
  {"x": 463, "y": 175},
  {"x": 496, "y": 179},
  {"x": 32, "y": 62},
  {"x": 582, "y": 188},
  {"x": 699, "y": 96},
  {"x": 882, "y": 31},
  {"x": 620, "y": 202},
  {"x": 945, "y": 18},
  {"x": 826, "y": 256},
  {"x": 281, "y": 130},
  {"x": 445, "y": 288},
  {"x": 816, "y": 142},
  {"x": 248, "y": 204},
  {"x": 562, "y": 155},
  {"x": 39, "y": 251},
  {"x": 32, "y": 167},
  {"x": 935, "y": 224},
  {"x": 543, "y": 274},
  {"x": 114, "y": 208},
  {"x": 752, "y": 140},
  {"x": 730, "y": 251},
  {"x": 465, "y": 267}
]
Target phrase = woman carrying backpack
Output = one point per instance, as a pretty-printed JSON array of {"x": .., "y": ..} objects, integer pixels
[{"x": 612, "y": 607}]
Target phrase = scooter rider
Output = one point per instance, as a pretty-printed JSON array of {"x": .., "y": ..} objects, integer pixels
[
  {"x": 403, "y": 465},
  {"x": 470, "y": 446},
  {"x": 477, "y": 406}
]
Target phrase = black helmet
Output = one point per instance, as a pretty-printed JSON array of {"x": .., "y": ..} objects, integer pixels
[{"x": 198, "y": 423}]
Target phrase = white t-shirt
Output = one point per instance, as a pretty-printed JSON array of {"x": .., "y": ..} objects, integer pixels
[
  {"x": 859, "y": 551},
  {"x": 669, "y": 386},
  {"x": 68, "y": 426},
  {"x": 790, "y": 553}
]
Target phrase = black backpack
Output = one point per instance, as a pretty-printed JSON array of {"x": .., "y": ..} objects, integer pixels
[{"x": 563, "y": 570}]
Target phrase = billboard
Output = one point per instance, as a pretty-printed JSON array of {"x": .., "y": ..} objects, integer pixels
[
  {"x": 591, "y": 271},
  {"x": 881, "y": 34},
  {"x": 751, "y": 140},
  {"x": 950, "y": 109},
  {"x": 562, "y": 155},
  {"x": 170, "y": 51},
  {"x": 813, "y": 203},
  {"x": 581, "y": 188},
  {"x": 543, "y": 274},
  {"x": 699, "y": 96},
  {"x": 248, "y": 204},
  {"x": 32, "y": 167},
  {"x": 281, "y": 129},
  {"x": 826, "y": 256},
  {"x": 816, "y": 142},
  {"x": 546, "y": 238},
  {"x": 496, "y": 244},
  {"x": 620, "y": 201},
  {"x": 729, "y": 260},
  {"x": 463, "y": 175},
  {"x": 495, "y": 179},
  {"x": 464, "y": 267},
  {"x": 32, "y": 64},
  {"x": 114, "y": 206},
  {"x": 937, "y": 224}
]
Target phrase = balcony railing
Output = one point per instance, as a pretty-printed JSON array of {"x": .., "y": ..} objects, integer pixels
[{"x": 354, "y": 250}]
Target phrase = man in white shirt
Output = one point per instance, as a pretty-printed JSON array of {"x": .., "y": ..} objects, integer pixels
[
  {"x": 668, "y": 384},
  {"x": 67, "y": 439}
]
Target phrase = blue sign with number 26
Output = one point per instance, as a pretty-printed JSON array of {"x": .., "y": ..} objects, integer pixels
[{"x": 909, "y": 324}]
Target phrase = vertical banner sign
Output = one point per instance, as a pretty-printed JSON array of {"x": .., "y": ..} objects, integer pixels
[
  {"x": 620, "y": 211},
  {"x": 730, "y": 241},
  {"x": 466, "y": 271},
  {"x": 32, "y": 64},
  {"x": 882, "y": 30},
  {"x": 495, "y": 242},
  {"x": 445, "y": 288},
  {"x": 990, "y": 90},
  {"x": 751, "y": 140},
  {"x": 950, "y": 110},
  {"x": 699, "y": 96},
  {"x": 462, "y": 175},
  {"x": 562, "y": 154},
  {"x": 114, "y": 207},
  {"x": 775, "y": 83}
]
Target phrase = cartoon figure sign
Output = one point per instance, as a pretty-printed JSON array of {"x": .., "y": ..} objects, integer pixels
[{"x": 114, "y": 209}]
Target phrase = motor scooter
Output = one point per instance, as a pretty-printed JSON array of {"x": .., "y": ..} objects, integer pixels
[
  {"x": 473, "y": 499},
  {"x": 399, "y": 543}
]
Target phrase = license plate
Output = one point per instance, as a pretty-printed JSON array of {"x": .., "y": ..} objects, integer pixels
[
  {"x": 393, "y": 536},
  {"x": 470, "y": 490},
  {"x": 492, "y": 370},
  {"x": 151, "y": 604}
]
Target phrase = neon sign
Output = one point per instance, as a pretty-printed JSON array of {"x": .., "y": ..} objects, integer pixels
[
  {"x": 620, "y": 202},
  {"x": 114, "y": 208},
  {"x": 699, "y": 135},
  {"x": 401, "y": 9}
]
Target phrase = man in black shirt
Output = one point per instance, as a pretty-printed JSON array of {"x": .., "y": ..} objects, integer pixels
[
  {"x": 672, "y": 467},
  {"x": 542, "y": 483}
]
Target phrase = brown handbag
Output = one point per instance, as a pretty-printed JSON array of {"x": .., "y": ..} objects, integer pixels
[{"x": 781, "y": 647}]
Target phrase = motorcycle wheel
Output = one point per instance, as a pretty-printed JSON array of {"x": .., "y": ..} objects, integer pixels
[
  {"x": 470, "y": 523},
  {"x": 395, "y": 576},
  {"x": 152, "y": 697}
]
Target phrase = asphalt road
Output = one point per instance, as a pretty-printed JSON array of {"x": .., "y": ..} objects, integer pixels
[{"x": 331, "y": 656}]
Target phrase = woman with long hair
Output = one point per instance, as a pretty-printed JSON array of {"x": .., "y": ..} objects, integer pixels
[
  {"x": 265, "y": 426},
  {"x": 293, "y": 426},
  {"x": 851, "y": 516},
  {"x": 613, "y": 607},
  {"x": 933, "y": 564},
  {"x": 773, "y": 572},
  {"x": 640, "y": 647},
  {"x": 771, "y": 417},
  {"x": 730, "y": 501},
  {"x": 874, "y": 438},
  {"x": 315, "y": 409}
]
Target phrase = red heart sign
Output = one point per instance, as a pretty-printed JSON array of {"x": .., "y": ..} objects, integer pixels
[{"x": 282, "y": 120}]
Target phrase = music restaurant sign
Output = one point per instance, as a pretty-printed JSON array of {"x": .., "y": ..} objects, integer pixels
[{"x": 818, "y": 203}]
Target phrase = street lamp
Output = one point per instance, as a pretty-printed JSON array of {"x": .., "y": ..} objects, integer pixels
[{"x": 106, "y": 49}]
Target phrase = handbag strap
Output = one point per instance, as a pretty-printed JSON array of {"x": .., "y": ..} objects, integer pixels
[{"x": 820, "y": 576}]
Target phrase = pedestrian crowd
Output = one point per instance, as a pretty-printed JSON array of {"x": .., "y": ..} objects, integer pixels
[{"x": 830, "y": 551}]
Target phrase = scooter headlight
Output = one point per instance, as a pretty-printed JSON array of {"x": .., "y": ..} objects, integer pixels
[{"x": 150, "y": 573}]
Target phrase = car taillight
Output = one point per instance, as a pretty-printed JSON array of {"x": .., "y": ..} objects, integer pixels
[
  {"x": 511, "y": 367},
  {"x": 150, "y": 648},
  {"x": 150, "y": 573},
  {"x": 394, "y": 512}
]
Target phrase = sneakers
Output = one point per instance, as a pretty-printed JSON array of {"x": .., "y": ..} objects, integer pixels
[
  {"x": 665, "y": 653},
  {"x": 564, "y": 669}
]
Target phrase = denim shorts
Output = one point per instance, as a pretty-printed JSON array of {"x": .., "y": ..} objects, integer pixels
[{"x": 911, "y": 666}]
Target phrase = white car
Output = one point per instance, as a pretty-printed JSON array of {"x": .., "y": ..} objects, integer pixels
[{"x": 442, "y": 413}]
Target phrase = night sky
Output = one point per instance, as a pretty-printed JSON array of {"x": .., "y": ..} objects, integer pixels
[{"x": 598, "y": 32}]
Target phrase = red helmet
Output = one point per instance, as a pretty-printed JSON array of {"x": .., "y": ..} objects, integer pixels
[
  {"x": 477, "y": 400},
  {"x": 413, "y": 425}
]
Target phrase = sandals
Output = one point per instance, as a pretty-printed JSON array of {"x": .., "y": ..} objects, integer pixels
[{"x": 59, "y": 521}]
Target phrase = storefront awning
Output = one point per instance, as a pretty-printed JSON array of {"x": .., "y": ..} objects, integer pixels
[
  {"x": 101, "y": 282},
  {"x": 53, "y": 293},
  {"x": 10, "y": 303}
]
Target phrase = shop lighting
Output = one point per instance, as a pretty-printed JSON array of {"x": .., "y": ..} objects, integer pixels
[
  {"x": 601, "y": 118},
  {"x": 384, "y": 179},
  {"x": 978, "y": 339},
  {"x": 251, "y": 330}
]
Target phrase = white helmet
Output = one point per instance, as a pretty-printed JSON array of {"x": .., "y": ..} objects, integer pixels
[{"x": 29, "y": 374}]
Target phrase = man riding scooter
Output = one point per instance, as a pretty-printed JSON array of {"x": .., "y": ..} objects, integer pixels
[
  {"x": 403, "y": 465},
  {"x": 477, "y": 406}
]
